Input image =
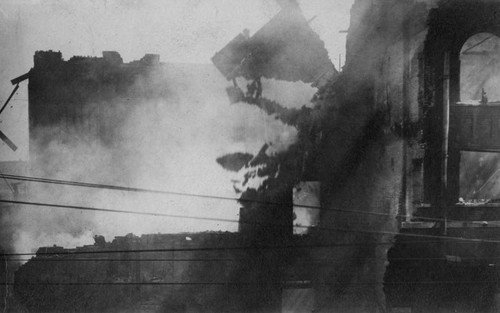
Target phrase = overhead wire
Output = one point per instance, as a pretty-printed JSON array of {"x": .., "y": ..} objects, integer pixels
[
  {"x": 213, "y": 197},
  {"x": 206, "y": 249},
  {"x": 234, "y": 283},
  {"x": 335, "y": 229},
  {"x": 213, "y": 219},
  {"x": 221, "y": 248},
  {"x": 143, "y": 190},
  {"x": 297, "y": 261},
  {"x": 157, "y": 214}
]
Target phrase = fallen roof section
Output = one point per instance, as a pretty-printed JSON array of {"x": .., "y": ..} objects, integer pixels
[{"x": 286, "y": 48}]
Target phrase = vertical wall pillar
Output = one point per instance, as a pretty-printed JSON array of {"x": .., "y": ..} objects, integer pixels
[
  {"x": 446, "y": 121},
  {"x": 445, "y": 139},
  {"x": 406, "y": 194},
  {"x": 453, "y": 188}
]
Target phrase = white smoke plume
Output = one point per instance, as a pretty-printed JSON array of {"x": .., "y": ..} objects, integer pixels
[
  {"x": 168, "y": 144},
  {"x": 164, "y": 144}
]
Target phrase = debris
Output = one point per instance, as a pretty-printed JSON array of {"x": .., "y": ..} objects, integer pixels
[
  {"x": 286, "y": 48},
  {"x": 235, "y": 161}
]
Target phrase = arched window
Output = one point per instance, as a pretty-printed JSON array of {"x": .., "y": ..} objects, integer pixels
[
  {"x": 480, "y": 86},
  {"x": 480, "y": 69}
]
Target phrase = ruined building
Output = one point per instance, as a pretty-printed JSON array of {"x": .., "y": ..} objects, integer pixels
[
  {"x": 77, "y": 99},
  {"x": 408, "y": 144},
  {"x": 76, "y": 93},
  {"x": 403, "y": 143},
  {"x": 74, "y": 100},
  {"x": 195, "y": 272}
]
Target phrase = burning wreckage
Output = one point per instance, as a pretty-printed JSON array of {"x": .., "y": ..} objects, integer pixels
[
  {"x": 402, "y": 158},
  {"x": 144, "y": 273}
]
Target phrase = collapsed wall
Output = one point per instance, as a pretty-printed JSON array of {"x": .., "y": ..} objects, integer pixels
[
  {"x": 133, "y": 273},
  {"x": 187, "y": 272}
]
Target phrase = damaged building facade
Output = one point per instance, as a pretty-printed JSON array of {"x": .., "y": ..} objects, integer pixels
[
  {"x": 74, "y": 93},
  {"x": 410, "y": 129},
  {"x": 402, "y": 143},
  {"x": 187, "y": 272},
  {"x": 73, "y": 100}
]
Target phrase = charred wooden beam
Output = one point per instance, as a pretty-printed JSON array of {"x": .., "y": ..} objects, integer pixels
[
  {"x": 6, "y": 139},
  {"x": 21, "y": 78}
]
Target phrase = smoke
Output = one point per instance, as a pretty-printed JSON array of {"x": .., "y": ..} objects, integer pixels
[{"x": 169, "y": 143}]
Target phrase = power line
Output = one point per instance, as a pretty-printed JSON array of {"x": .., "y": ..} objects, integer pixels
[
  {"x": 154, "y": 191},
  {"x": 7, "y": 182},
  {"x": 124, "y": 260},
  {"x": 234, "y": 283},
  {"x": 298, "y": 260},
  {"x": 206, "y": 249},
  {"x": 335, "y": 229},
  {"x": 138, "y": 284},
  {"x": 85, "y": 208},
  {"x": 145, "y": 190},
  {"x": 142, "y": 190}
]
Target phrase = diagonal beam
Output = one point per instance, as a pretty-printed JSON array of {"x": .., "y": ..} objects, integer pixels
[{"x": 7, "y": 141}]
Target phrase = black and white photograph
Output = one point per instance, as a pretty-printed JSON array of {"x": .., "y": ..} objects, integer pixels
[{"x": 250, "y": 156}]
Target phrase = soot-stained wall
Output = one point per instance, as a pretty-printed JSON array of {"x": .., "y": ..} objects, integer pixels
[
  {"x": 385, "y": 148},
  {"x": 373, "y": 154},
  {"x": 79, "y": 93}
]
